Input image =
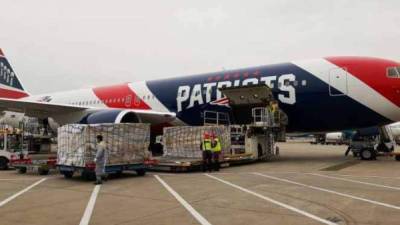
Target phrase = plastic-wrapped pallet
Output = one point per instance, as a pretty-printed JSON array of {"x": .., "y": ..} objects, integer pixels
[
  {"x": 126, "y": 143},
  {"x": 185, "y": 141}
]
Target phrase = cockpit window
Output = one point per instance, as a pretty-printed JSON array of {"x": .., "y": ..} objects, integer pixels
[{"x": 393, "y": 72}]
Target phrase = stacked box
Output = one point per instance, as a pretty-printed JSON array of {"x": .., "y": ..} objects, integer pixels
[
  {"x": 185, "y": 141},
  {"x": 125, "y": 143}
]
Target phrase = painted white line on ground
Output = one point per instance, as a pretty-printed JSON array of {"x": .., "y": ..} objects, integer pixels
[
  {"x": 183, "y": 202},
  {"x": 11, "y": 179},
  {"x": 356, "y": 181},
  {"x": 90, "y": 206},
  {"x": 383, "y": 177},
  {"x": 330, "y": 191},
  {"x": 304, "y": 213},
  {"x": 2, "y": 203}
]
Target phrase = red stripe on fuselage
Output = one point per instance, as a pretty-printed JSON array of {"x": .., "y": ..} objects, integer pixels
[
  {"x": 120, "y": 96},
  {"x": 5, "y": 93},
  {"x": 372, "y": 71}
]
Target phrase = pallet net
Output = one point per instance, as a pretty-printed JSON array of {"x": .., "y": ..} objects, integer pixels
[
  {"x": 125, "y": 143},
  {"x": 185, "y": 141}
]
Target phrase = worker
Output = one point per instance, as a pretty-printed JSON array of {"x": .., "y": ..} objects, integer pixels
[
  {"x": 100, "y": 159},
  {"x": 207, "y": 154},
  {"x": 216, "y": 151},
  {"x": 275, "y": 112}
]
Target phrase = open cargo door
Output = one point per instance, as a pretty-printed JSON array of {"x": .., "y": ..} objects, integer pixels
[{"x": 243, "y": 99}]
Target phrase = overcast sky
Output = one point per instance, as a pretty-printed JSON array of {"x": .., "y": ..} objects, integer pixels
[{"x": 59, "y": 45}]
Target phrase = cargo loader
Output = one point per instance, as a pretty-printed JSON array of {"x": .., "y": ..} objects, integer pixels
[
  {"x": 11, "y": 146},
  {"x": 42, "y": 164},
  {"x": 248, "y": 133}
]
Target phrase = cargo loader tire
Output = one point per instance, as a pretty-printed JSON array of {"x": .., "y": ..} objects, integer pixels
[
  {"x": 22, "y": 170},
  {"x": 397, "y": 157},
  {"x": 141, "y": 172},
  {"x": 3, "y": 163},
  {"x": 68, "y": 174},
  {"x": 368, "y": 154}
]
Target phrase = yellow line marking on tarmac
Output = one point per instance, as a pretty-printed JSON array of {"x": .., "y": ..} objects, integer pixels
[
  {"x": 184, "y": 203},
  {"x": 2, "y": 203},
  {"x": 299, "y": 211}
]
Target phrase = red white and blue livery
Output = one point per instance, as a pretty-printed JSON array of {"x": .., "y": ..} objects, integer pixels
[{"x": 332, "y": 93}]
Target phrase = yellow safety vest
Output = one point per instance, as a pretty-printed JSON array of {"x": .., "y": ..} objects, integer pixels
[
  {"x": 217, "y": 147},
  {"x": 206, "y": 144}
]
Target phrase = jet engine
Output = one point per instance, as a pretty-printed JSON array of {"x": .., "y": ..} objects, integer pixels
[{"x": 111, "y": 116}]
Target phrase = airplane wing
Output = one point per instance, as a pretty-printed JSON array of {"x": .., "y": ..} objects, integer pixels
[
  {"x": 37, "y": 109},
  {"x": 46, "y": 109}
]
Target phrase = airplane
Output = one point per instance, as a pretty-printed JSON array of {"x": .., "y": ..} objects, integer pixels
[{"x": 324, "y": 94}]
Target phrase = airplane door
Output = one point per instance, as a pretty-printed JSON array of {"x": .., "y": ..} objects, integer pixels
[
  {"x": 128, "y": 101},
  {"x": 338, "y": 82}
]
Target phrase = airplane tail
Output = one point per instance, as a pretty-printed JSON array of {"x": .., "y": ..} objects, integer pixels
[{"x": 10, "y": 86}]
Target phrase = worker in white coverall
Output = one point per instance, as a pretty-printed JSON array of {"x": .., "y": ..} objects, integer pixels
[{"x": 100, "y": 159}]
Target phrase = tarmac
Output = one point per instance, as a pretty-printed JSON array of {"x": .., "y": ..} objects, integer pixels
[{"x": 307, "y": 184}]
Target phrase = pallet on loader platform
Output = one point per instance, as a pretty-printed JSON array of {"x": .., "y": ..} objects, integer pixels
[
  {"x": 176, "y": 164},
  {"x": 184, "y": 164}
]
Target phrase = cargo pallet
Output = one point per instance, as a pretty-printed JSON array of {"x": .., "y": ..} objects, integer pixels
[
  {"x": 88, "y": 172},
  {"x": 183, "y": 164}
]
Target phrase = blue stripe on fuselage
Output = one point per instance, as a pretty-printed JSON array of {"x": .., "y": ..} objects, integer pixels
[{"x": 306, "y": 100}]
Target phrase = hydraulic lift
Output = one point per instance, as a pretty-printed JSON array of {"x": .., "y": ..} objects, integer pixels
[{"x": 258, "y": 117}]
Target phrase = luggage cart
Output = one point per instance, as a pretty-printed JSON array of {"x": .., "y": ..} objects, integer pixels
[
  {"x": 88, "y": 171},
  {"x": 41, "y": 166}
]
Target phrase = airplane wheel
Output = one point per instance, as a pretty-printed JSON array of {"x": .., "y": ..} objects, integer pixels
[{"x": 367, "y": 154}]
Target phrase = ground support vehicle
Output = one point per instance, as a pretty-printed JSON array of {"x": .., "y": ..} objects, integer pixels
[
  {"x": 11, "y": 146},
  {"x": 41, "y": 166},
  {"x": 251, "y": 141},
  {"x": 371, "y": 146}
]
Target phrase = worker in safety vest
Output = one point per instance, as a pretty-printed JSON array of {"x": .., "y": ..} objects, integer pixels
[
  {"x": 275, "y": 112},
  {"x": 207, "y": 153},
  {"x": 216, "y": 151}
]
